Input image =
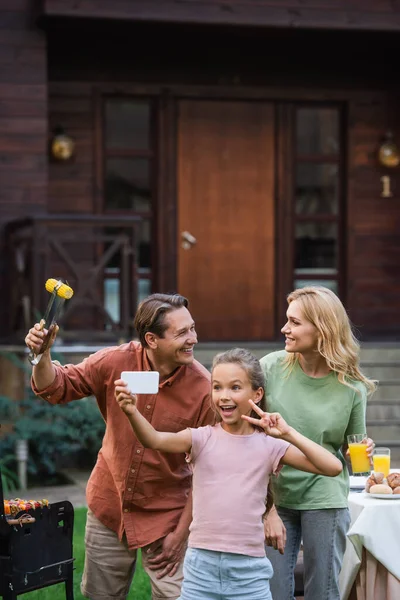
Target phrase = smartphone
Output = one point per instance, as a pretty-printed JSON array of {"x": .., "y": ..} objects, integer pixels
[{"x": 141, "y": 382}]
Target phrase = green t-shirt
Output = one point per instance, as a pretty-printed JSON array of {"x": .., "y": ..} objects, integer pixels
[{"x": 323, "y": 410}]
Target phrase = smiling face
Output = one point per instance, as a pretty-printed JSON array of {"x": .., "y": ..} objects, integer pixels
[
  {"x": 300, "y": 334},
  {"x": 175, "y": 347},
  {"x": 231, "y": 392}
]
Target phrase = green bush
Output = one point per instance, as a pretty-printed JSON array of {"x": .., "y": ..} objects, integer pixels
[
  {"x": 9, "y": 479},
  {"x": 57, "y": 436}
]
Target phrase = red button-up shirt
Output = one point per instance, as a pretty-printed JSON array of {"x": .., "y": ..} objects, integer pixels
[{"x": 132, "y": 488}]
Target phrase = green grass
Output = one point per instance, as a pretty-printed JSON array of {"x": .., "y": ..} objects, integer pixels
[{"x": 140, "y": 589}]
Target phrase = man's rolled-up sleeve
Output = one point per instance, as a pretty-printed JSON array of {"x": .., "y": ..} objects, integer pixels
[{"x": 72, "y": 382}]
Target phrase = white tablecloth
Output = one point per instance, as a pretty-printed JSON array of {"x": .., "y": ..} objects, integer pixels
[{"x": 375, "y": 526}]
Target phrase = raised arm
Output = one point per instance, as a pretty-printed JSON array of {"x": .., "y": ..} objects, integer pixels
[
  {"x": 305, "y": 455},
  {"x": 144, "y": 431},
  {"x": 302, "y": 454}
]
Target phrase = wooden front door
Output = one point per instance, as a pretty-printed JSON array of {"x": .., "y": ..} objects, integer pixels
[{"x": 226, "y": 203}]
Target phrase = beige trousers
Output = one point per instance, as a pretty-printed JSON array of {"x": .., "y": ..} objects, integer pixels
[{"x": 110, "y": 566}]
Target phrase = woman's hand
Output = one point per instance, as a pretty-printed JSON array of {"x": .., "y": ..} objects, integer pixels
[
  {"x": 370, "y": 447},
  {"x": 272, "y": 423},
  {"x": 125, "y": 399},
  {"x": 275, "y": 531}
]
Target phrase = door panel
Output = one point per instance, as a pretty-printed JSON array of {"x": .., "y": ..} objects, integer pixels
[{"x": 226, "y": 202}]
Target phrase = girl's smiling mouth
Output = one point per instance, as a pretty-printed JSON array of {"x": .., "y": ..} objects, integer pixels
[{"x": 227, "y": 409}]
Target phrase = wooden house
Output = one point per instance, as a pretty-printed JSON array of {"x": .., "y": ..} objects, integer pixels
[{"x": 224, "y": 149}]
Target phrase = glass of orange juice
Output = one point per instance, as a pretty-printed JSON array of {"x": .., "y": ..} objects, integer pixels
[
  {"x": 381, "y": 460},
  {"x": 360, "y": 463}
]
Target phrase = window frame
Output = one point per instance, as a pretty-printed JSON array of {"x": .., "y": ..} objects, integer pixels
[
  {"x": 338, "y": 218},
  {"x": 102, "y": 154}
]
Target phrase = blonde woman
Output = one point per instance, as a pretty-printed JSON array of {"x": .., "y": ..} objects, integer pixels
[{"x": 318, "y": 388}]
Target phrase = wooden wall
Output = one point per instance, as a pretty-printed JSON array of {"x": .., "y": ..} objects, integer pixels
[
  {"x": 373, "y": 253},
  {"x": 23, "y": 117},
  {"x": 23, "y": 110},
  {"x": 332, "y": 14},
  {"x": 71, "y": 186}
]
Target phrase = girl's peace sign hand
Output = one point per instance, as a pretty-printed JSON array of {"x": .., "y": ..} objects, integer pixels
[{"x": 272, "y": 423}]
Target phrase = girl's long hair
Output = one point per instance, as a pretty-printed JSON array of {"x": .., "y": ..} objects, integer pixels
[{"x": 336, "y": 341}]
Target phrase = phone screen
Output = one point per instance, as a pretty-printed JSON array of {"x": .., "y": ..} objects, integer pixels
[{"x": 141, "y": 382}]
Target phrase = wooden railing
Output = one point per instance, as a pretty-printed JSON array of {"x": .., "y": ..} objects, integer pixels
[{"x": 81, "y": 249}]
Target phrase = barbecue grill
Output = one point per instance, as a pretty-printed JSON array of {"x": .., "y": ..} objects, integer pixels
[{"x": 36, "y": 549}]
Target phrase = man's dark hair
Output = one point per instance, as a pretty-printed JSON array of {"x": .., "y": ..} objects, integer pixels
[{"x": 150, "y": 315}]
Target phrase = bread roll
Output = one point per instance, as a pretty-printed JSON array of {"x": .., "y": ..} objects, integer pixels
[
  {"x": 396, "y": 490},
  {"x": 393, "y": 480},
  {"x": 380, "y": 488},
  {"x": 379, "y": 477},
  {"x": 373, "y": 479}
]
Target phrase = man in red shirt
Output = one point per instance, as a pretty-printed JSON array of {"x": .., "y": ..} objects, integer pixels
[{"x": 137, "y": 497}]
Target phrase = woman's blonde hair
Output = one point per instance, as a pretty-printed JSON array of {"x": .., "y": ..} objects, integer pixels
[{"x": 336, "y": 341}]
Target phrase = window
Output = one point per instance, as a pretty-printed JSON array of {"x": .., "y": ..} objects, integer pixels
[
  {"x": 317, "y": 197},
  {"x": 129, "y": 167}
]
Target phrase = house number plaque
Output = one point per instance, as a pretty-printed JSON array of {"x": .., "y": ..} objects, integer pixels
[{"x": 386, "y": 191}]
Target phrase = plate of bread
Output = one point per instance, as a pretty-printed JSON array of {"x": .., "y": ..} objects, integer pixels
[{"x": 387, "y": 488}]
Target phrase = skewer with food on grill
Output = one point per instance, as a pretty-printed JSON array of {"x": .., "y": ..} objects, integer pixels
[{"x": 14, "y": 507}]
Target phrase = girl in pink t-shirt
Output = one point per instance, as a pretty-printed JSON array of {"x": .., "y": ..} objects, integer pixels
[{"x": 232, "y": 462}]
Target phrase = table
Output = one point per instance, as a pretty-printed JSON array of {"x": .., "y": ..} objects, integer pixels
[{"x": 371, "y": 564}]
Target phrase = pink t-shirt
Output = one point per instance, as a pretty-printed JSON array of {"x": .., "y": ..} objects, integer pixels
[{"x": 230, "y": 483}]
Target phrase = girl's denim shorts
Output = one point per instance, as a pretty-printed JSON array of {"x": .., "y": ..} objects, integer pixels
[{"x": 210, "y": 575}]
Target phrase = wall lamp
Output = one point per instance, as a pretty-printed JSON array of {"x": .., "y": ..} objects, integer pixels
[
  {"x": 62, "y": 146},
  {"x": 389, "y": 154}
]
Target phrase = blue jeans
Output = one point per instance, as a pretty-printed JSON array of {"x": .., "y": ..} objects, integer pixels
[
  {"x": 210, "y": 575},
  {"x": 324, "y": 541}
]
